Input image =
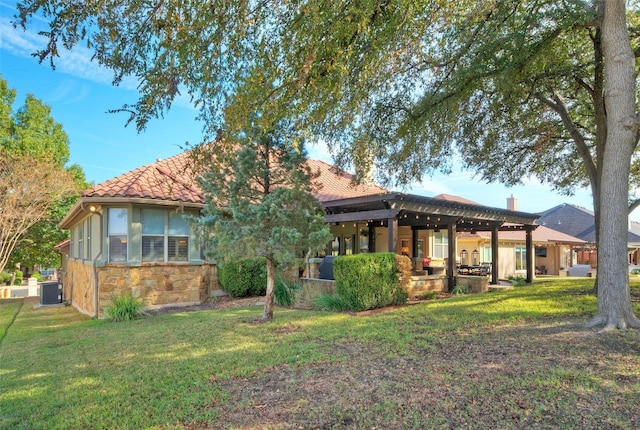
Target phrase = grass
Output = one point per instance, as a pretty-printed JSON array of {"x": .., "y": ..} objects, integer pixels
[{"x": 513, "y": 359}]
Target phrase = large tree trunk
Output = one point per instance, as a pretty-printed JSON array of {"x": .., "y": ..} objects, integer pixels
[
  {"x": 614, "y": 300},
  {"x": 267, "y": 315}
]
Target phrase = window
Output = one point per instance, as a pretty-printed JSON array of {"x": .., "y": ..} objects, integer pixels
[
  {"x": 89, "y": 222},
  {"x": 81, "y": 240},
  {"x": 153, "y": 234},
  {"x": 118, "y": 226},
  {"x": 178, "y": 238},
  {"x": 335, "y": 246},
  {"x": 165, "y": 236},
  {"x": 348, "y": 244},
  {"x": 521, "y": 258},
  {"x": 440, "y": 244},
  {"x": 486, "y": 254},
  {"x": 364, "y": 241}
]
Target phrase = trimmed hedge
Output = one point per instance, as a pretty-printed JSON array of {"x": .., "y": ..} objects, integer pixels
[
  {"x": 244, "y": 278},
  {"x": 369, "y": 281}
]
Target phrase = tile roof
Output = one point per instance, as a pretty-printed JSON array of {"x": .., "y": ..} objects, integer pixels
[
  {"x": 540, "y": 234},
  {"x": 173, "y": 180},
  {"x": 457, "y": 199},
  {"x": 335, "y": 185}
]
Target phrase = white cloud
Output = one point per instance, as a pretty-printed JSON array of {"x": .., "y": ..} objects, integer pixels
[{"x": 76, "y": 62}]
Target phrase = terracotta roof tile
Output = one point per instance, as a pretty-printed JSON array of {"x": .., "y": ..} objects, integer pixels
[
  {"x": 163, "y": 180},
  {"x": 172, "y": 180},
  {"x": 336, "y": 185}
]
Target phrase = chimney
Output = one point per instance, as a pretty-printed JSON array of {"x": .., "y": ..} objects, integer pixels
[{"x": 512, "y": 203}]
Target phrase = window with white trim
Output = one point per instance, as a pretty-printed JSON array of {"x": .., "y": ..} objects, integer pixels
[
  {"x": 521, "y": 258},
  {"x": 165, "y": 236},
  {"x": 81, "y": 240},
  {"x": 440, "y": 244},
  {"x": 118, "y": 228}
]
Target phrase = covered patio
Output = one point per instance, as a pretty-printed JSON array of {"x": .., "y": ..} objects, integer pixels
[{"x": 396, "y": 222}]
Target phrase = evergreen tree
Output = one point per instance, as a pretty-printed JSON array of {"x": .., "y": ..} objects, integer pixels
[{"x": 259, "y": 202}]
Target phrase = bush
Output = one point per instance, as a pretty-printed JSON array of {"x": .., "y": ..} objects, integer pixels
[
  {"x": 430, "y": 295},
  {"x": 19, "y": 276},
  {"x": 284, "y": 292},
  {"x": 125, "y": 308},
  {"x": 517, "y": 281},
  {"x": 330, "y": 302},
  {"x": 460, "y": 289},
  {"x": 5, "y": 278},
  {"x": 37, "y": 275},
  {"x": 244, "y": 278},
  {"x": 368, "y": 281},
  {"x": 635, "y": 272}
]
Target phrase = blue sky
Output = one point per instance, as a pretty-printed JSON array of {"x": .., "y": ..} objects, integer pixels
[{"x": 80, "y": 94}]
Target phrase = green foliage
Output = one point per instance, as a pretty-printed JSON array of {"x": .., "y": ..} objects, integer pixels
[
  {"x": 460, "y": 289},
  {"x": 189, "y": 361},
  {"x": 368, "y": 281},
  {"x": 37, "y": 275},
  {"x": 5, "y": 278},
  {"x": 430, "y": 295},
  {"x": 33, "y": 141},
  {"x": 125, "y": 308},
  {"x": 244, "y": 277},
  {"x": 19, "y": 278},
  {"x": 517, "y": 281},
  {"x": 331, "y": 302},
  {"x": 635, "y": 272},
  {"x": 284, "y": 291}
]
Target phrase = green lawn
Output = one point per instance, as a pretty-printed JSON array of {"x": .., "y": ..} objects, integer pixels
[{"x": 514, "y": 359}]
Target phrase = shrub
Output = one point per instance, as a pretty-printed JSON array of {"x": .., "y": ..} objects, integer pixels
[
  {"x": 125, "y": 308},
  {"x": 37, "y": 275},
  {"x": 19, "y": 276},
  {"x": 460, "y": 289},
  {"x": 5, "y": 278},
  {"x": 368, "y": 281},
  {"x": 635, "y": 272},
  {"x": 429, "y": 295},
  {"x": 517, "y": 281},
  {"x": 284, "y": 292},
  {"x": 330, "y": 302},
  {"x": 244, "y": 278}
]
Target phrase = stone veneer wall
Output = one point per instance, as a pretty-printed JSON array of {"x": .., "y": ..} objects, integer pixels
[
  {"x": 475, "y": 284},
  {"x": 158, "y": 284},
  {"x": 77, "y": 286}
]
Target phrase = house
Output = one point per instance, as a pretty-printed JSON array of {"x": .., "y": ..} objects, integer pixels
[
  {"x": 552, "y": 250},
  {"x": 129, "y": 236},
  {"x": 580, "y": 222}
]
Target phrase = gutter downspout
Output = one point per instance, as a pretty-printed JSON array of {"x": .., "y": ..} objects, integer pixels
[{"x": 95, "y": 262}]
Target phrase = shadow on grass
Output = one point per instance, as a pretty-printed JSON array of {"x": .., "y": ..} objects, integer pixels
[{"x": 61, "y": 370}]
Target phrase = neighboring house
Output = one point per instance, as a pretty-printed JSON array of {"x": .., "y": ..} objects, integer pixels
[
  {"x": 128, "y": 234},
  {"x": 580, "y": 222},
  {"x": 552, "y": 251}
]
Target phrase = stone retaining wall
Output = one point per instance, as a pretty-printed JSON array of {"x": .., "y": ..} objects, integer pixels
[
  {"x": 474, "y": 284},
  {"x": 420, "y": 284},
  {"x": 310, "y": 288}
]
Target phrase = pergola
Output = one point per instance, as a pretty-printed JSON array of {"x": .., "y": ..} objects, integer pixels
[{"x": 393, "y": 210}]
